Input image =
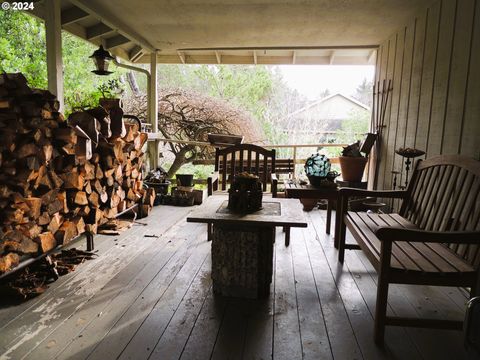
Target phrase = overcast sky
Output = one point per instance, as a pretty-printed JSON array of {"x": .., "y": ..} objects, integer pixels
[{"x": 311, "y": 80}]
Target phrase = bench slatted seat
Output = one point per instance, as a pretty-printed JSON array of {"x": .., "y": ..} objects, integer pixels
[{"x": 433, "y": 240}]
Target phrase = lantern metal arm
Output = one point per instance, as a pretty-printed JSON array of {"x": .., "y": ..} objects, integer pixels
[{"x": 133, "y": 68}]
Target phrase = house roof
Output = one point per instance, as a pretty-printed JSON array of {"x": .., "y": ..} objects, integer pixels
[
  {"x": 238, "y": 31},
  {"x": 324, "y": 100}
]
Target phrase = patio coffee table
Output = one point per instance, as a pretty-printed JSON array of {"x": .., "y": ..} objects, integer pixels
[
  {"x": 242, "y": 244},
  {"x": 309, "y": 195}
]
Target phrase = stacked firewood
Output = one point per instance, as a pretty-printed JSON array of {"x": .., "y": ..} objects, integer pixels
[
  {"x": 59, "y": 179},
  {"x": 110, "y": 180}
]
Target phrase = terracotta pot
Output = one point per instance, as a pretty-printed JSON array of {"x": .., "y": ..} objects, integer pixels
[
  {"x": 110, "y": 103},
  {"x": 352, "y": 168}
]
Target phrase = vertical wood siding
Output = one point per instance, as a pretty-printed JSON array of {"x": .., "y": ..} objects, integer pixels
[{"x": 434, "y": 64}]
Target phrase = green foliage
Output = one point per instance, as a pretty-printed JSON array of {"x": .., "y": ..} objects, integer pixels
[
  {"x": 111, "y": 89},
  {"x": 363, "y": 92},
  {"x": 247, "y": 86},
  {"x": 23, "y": 49},
  {"x": 22, "y": 45}
]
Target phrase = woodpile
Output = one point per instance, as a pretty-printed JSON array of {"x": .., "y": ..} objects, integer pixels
[
  {"x": 59, "y": 179},
  {"x": 34, "y": 279}
]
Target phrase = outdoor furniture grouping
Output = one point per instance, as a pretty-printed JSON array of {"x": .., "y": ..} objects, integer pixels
[{"x": 433, "y": 240}]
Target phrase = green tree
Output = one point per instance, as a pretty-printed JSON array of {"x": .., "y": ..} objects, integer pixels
[
  {"x": 363, "y": 92},
  {"x": 23, "y": 49},
  {"x": 354, "y": 127},
  {"x": 22, "y": 45}
]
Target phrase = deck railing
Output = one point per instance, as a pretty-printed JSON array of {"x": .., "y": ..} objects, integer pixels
[{"x": 294, "y": 152}]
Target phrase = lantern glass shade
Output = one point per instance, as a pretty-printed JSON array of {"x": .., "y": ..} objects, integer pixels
[{"x": 101, "y": 59}]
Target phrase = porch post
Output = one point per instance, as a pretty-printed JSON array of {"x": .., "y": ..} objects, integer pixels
[
  {"x": 53, "y": 31},
  {"x": 153, "y": 108}
]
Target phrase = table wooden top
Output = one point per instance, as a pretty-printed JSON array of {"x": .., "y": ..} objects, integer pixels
[
  {"x": 294, "y": 189},
  {"x": 288, "y": 212}
]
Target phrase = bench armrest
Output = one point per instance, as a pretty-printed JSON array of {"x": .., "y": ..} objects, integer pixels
[
  {"x": 212, "y": 182},
  {"x": 414, "y": 235},
  {"x": 274, "y": 181},
  {"x": 347, "y": 192}
]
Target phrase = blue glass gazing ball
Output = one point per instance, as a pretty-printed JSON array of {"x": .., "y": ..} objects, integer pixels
[{"x": 317, "y": 165}]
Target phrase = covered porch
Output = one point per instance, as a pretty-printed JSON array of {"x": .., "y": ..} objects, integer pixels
[{"x": 149, "y": 293}]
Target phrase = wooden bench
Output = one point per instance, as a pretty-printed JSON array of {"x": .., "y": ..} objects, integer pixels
[{"x": 433, "y": 240}]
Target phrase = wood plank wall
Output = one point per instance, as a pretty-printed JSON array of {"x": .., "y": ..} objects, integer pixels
[{"x": 434, "y": 64}]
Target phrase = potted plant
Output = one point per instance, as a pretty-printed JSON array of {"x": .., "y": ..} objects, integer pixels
[
  {"x": 111, "y": 92},
  {"x": 110, "y": 101},
  {"x": 352, "y": 163}
]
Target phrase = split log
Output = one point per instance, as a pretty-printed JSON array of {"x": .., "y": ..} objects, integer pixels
[
  {"x": 66, "y": 232},
  {"x": 44, "y": 219},
  {"x": 25, "y": 150},
  {"x": 55, "y": 223},
  {"x": 79, "y": 223},
  {"x": 46, "y": 241},
  {"x": 81, "y": 198},
  {"x": 87, "y": 123},
  {"x": 73, "y": 180},
  {"x": 35, "y": 205},
  {"x": 67, "y": 135},
  {"x": 8, "y": 262}
]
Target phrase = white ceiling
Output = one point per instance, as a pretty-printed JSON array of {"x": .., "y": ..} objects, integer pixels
[{"x": 203, "y": 31}]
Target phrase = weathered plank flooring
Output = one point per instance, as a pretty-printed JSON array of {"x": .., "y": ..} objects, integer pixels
[{"x": 150, "y": 297}]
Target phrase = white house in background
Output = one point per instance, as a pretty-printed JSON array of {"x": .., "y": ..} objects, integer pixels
[{"x": 323, "y": 115}]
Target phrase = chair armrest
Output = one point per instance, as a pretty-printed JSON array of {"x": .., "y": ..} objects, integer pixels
[
  {"x": 274, "y": 185},
  {"x": 347, "y": 192},
  {"x": 414, "y": 235}
]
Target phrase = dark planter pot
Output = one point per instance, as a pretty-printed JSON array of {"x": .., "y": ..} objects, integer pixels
[
  {"x": 160, "y": 188},
  {"x": 352, "y": 168},
  {"x": 184, "y": 180}
]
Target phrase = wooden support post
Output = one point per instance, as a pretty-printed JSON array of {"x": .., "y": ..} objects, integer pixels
[
  {"x": 153, "y": 109},
  {"x": 294, "y": 160},
  {"x": 53, "y": 31},
  {"x": 90, "y": 243}
]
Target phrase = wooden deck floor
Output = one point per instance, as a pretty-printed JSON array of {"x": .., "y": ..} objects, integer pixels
[{"x": 151, "y": 297}]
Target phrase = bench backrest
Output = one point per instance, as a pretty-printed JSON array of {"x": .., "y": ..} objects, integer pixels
[
  {"x": 244, "y": 157},
  {"x": 444, "y": 195}
]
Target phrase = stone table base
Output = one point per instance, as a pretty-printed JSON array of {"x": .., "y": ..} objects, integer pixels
[{"x": 242, "y": 260}]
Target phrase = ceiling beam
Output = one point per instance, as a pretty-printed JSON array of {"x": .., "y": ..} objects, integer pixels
[
  {"x": 218, "y": 56},
  {"x": 117, "y": 40},
  {"x": 97, "y": 30},
  {"x": 181, "y": 55},
  {"x": 294, "y": 57},
  {"x": 340, "y": 47},
  {"x": 114, "y": 23},
  {"x": 255, "y": 57},
  {"x": 72, "y": 15},
  {"x": 331, "y": 59},
  {"x": 135, "y": 53}
]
